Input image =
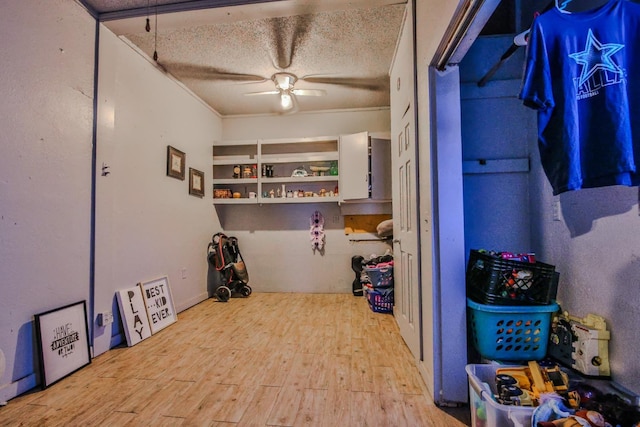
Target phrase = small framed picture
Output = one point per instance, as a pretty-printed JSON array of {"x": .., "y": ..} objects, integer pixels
[
  {"x": 196, "y": 182},
  {"x": 158, "y": 302},
  {"x": 176, "y": 160},
  {"x": 63, "y": 341}
]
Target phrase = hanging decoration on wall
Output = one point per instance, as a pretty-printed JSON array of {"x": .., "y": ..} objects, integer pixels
[
  {"x": 196, "y": 182},
  {"x": 317, "y": 232}
]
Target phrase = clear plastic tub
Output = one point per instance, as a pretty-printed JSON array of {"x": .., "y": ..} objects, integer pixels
[{"x": 485, "y": 411}]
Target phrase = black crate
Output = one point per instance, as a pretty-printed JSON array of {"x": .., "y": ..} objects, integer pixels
[{"x": 493, "y": 280}]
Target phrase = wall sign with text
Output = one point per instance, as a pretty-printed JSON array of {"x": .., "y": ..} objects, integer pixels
[
  {"x": 134, "y": 315},
  {"x": 159, "y": 303},
  {"x": 63, "y": 341}
]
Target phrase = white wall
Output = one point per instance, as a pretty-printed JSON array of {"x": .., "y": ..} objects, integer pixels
[
  {"x": 46, "y": 117},
  {"x": 147, "y": 224},
  {"x": 595, "y": 248},
  {"x": 274, "y": 239}
]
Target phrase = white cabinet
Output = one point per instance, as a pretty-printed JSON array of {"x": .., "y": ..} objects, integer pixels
[
  {"x": 365, "y": 167},
  {"x": 295, "y": 170},
  {"x": 354, "y": 166}
]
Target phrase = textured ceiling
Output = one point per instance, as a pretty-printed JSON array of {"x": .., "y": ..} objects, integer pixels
[{"x": 342, "y": 48}]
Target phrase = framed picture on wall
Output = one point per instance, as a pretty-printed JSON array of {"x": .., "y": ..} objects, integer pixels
[
  {"x": 176, "y": 160},
  {"x": 196, "y": 182},
  {"x": 158, "y": 302},
  {"x": 63, "y": 341}
]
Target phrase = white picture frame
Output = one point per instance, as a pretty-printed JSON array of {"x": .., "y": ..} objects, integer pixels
[
  {"x": 63, "y": 342},
  {"x": 133, "y": 313},
  {"x": 158, "y": 302}
]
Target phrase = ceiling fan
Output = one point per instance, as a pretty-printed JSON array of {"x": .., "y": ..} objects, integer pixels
[
  {"x": 284, "y": 35},
  {"x": 284, "y": 87}
]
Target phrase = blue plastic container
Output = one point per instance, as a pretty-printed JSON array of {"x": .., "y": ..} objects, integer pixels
[{"x": 510, "y": 333}]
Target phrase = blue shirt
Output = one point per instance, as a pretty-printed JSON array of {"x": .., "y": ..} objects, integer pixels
[{"x": 583, "y": 76}]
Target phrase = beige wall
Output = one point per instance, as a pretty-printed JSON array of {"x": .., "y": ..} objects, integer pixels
[{"x": 147, "y": 224}]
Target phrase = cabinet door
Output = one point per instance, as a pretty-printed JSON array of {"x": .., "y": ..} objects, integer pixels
[{"x": 354, "y": 166}]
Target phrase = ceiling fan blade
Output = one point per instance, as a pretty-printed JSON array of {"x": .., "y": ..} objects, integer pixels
[
  {"x": 286, "y": 35},
  {"x": 309, "y": 92},
  {"x": 375, "y": 84},
  {"x": 205, "y": 72},
  {"x": 266, "y": 92}
]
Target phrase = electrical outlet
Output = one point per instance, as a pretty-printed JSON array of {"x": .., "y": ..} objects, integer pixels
[
  {"x": 184, "y": 272},
  {"x": 105, "y": 318}
]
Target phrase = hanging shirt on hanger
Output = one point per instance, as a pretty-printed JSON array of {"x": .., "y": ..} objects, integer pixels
[{"x": 583, "y": 76}]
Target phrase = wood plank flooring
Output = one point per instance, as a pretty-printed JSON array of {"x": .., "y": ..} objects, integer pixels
[{"x": 267, "y": 360}]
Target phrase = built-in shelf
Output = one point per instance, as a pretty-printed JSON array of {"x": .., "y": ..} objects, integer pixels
[{"x": 281, "y": 157}]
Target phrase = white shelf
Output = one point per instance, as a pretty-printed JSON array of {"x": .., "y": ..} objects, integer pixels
[
  {"x": 287, "y": 154},
  {"x": 268, "y": 200},
  {"x": 231, "y": 181},
  {"x": 231, "y": 201},
  {"x": 300, "y": 157},
  {"x": 299, "y": 179},
  {"x": 234, "y": 160},
  {"x": 312, "y": 139}
]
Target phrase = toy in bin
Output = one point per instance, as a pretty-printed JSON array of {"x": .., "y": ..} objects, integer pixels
[
  {"x": 581, "y": 344},
  {"x": 504, "y": 396},
  {"x": 510, "y": 279}
]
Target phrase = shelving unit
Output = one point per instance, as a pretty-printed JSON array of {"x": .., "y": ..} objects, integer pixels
[{"x": 282, "y": 157}]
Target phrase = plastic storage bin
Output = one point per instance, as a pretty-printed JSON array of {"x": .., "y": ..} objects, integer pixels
[
  {"x": 510, "y": 333},
  {"x": 380, "y": 302},
  {"x": 493, "y": 280},
  {"x": 485, "y": 411}
]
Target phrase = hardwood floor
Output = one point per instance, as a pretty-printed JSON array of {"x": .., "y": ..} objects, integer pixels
[{"x": 267, "y": 360}]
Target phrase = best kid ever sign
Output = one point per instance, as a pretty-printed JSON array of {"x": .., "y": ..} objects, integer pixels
[{"x": 146, "y": 309}]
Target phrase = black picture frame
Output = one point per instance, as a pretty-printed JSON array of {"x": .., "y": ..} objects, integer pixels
[
  {"x": 176, "y": 161},
  {"x": 196, "y": 182},
  {"x": 63, "y": 342}
]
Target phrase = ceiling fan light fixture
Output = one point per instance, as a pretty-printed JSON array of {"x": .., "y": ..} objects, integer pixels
[
  {"x": 285, "y": 100},
  {"x": 284, "y": 81}
]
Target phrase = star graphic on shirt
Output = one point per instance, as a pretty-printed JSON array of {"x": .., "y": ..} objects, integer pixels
[{"x": 596, "y": 56}]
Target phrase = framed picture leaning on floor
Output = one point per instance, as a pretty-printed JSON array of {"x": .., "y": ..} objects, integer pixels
[{"x": 63, "y": 341}]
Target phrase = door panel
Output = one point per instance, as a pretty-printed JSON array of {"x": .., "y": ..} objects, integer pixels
[{"x": 406, "y": 251}]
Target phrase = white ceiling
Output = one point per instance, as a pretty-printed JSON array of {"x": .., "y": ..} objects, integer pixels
[{"x": 342, "y": 47}]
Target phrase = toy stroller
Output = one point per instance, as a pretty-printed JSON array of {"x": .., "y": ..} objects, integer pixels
[{"x": 224, "y": 255}]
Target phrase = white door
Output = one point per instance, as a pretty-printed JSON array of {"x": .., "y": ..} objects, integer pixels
[{"x": 405, "y": 192}]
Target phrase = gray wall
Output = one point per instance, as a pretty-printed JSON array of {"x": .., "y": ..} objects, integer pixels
[{"x": 593, "y": 242}]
